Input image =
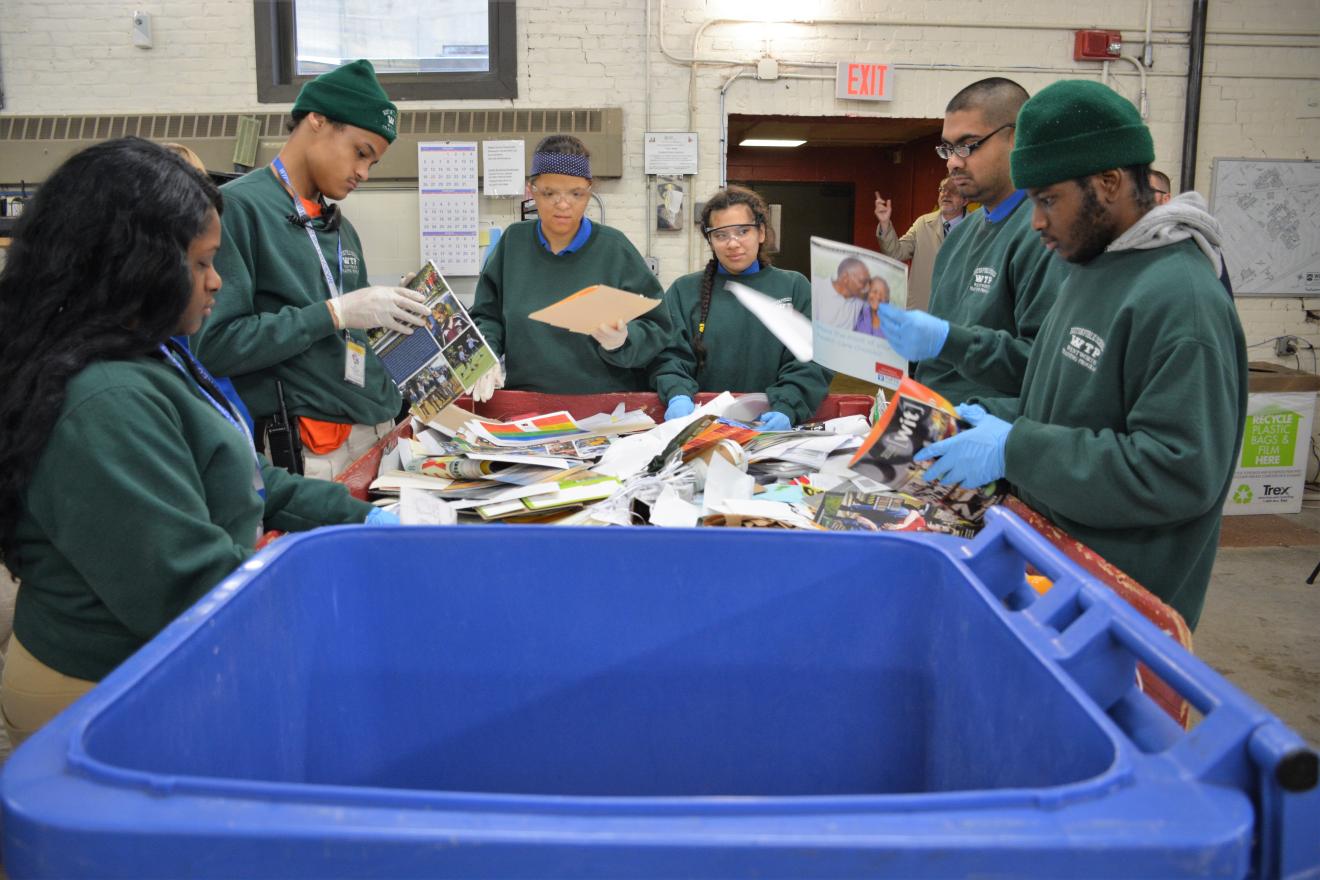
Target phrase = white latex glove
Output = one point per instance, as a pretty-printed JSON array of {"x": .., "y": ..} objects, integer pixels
[
  {"x": 611, "y": 336},
  {"x": 394, "y": 308},
  {"x": 486, "y": 386}
]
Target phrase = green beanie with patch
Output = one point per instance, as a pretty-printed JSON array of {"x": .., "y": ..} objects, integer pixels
[
  {"x": 1075, "y": 128},
  {"x": 351, "y": 94}
]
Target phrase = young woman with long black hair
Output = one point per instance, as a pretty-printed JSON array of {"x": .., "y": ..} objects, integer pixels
[
  {"x": 129, "y": 486},
  {"x": 717, "y": 345}
]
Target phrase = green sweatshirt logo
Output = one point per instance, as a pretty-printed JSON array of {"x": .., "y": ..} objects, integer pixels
[{"x": 1084, "y": 348}]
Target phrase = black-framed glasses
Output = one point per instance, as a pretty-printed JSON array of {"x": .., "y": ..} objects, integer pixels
[
  {"x": 963, "y": 150},
  {"x": 725, "y": 234}
]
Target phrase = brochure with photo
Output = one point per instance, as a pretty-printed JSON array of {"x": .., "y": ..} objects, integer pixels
[
  {"x": 439, "y": 362},
  {"x": 847, "y": 285}
]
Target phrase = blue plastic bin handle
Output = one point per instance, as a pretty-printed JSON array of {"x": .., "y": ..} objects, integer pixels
[{"x": 1283, "y": 755}]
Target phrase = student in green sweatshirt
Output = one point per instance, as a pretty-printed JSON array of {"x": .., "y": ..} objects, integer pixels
[
  {"x": 717, "y": 344},
  {"x": 129, "y": 485},
  {"x": 297, "y": 303},
  {"x": 993, "y": 282},
  {"x": 539, "y": 262},
  {"x": 1133, "y": 405}
]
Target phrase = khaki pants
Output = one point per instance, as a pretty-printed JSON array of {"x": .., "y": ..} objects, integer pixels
[
  {"x": 334, "y": 463},
  {"x": 31, "y": 693}
]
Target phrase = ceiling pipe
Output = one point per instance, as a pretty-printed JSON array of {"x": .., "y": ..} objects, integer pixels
[{"x": 1192, "y": 110}]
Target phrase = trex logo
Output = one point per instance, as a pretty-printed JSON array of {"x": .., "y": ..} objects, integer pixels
[{"x": 1277, "y": 491}]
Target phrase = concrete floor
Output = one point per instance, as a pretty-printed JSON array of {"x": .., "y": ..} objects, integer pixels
[{"x": 1260, "y": 624}]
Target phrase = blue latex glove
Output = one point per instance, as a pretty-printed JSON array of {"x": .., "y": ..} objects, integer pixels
[
  {"x": 973, "y": 457},
  {"x": 914, "y": 334},
  {"x": 774, "y": 420},
  {"x": 679, "y": 406},
  {"x": 379, "y": 516}
]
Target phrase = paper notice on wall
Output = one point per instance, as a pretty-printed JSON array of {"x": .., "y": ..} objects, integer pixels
[{"x": 503, "y": 164}]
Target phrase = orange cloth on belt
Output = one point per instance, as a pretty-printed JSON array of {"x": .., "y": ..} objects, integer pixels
[{"x": 320, "y": 437}]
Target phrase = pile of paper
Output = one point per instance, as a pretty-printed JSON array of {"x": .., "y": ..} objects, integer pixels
[{"x": 621, "y": 468}]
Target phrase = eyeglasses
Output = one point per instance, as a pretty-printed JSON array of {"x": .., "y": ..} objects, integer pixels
[
  {"x": 963, "y": 150},
  {"x": 726, "y": 234},
  {"x": 571, "y": 197}
]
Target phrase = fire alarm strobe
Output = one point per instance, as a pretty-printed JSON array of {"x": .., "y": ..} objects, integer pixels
[{"x": 1095, "y": 45}]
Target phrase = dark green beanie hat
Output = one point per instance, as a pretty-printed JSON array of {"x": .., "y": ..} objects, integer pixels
[
  {"x": 351, "y": 94},
  {"x": 1074, "y": 128}
]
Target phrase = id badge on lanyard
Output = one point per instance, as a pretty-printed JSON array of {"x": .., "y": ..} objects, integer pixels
[{"x": 355, "y": 353}]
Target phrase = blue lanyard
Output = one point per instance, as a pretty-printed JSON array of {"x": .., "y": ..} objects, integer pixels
[
  {"x": 221, "y": 407},
  {"x": 335, "y": 289}
]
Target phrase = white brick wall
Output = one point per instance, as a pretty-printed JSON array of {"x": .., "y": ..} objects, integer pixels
[{"x": 63, "y": 57}]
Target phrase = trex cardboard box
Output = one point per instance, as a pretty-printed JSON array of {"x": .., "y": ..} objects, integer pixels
[{"x": 1276, "y": 444}]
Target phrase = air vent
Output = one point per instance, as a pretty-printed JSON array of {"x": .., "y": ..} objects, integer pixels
[{"x": 32, "y": 146}]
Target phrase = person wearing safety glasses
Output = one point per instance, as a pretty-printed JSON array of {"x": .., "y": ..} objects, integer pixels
[
  {"x": 717, "y": 344},
  {"x": 539, "y": 262},
  {"x": 993, "y": 282}
]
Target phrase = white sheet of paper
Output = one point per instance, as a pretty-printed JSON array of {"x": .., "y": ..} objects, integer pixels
[
  {"x": 389, "y": 460},
  {"x": 502, "y": 168},
  {"x": 778, "y": 511},
  {"x": 630, "y": 455},
  {"x": 788, "y": 325},
  {"x": 507, "y": 495},
  {"x": 672, "y": 511},
  {"x": 394, "y": 481},
  {"x": 849, "y": 425},
  {"x": 724, "y": 482},
  {"x": 418, "y": 507}
]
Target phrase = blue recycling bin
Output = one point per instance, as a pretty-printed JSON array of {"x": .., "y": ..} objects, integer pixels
[{"x": 559, "y": 702}]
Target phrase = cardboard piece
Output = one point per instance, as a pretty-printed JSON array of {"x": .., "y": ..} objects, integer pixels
[
  {"x": 584, "y": 311},
  {"x": 1267, "y": 376}
]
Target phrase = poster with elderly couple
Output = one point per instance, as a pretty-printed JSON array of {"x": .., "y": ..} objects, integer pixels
[{"x": 848, "y": 284}]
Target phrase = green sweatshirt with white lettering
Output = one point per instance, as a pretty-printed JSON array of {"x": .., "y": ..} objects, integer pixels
[
  {"x": 994, "y": 283},
  {"x": 271, "y": 322},
  {"x": 521, "y": 276},
  {"x": 142, "y": 501},
  {"x": 741, "y": 355},
  {"x": 1132, "y": 414}
]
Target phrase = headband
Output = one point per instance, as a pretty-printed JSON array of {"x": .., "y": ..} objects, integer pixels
[{"x": 561, "y": 163}]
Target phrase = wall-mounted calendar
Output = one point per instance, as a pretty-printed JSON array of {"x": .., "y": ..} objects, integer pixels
[{"x": 447, "y": 190}]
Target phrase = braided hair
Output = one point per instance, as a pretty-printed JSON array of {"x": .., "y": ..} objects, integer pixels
[
  {"x": 98, "y": 270},
  {"x": 722, "y": 201}
]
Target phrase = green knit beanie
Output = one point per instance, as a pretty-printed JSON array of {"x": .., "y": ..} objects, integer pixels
[
  {"x": 351, "y": 94},
  {"x": 1074, "y": 128}
]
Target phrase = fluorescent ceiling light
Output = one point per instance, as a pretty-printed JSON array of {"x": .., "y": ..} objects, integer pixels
[{"x": 770, "y": 142}]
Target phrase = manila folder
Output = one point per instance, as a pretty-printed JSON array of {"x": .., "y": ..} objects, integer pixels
[{"x": 584, "y": 311}]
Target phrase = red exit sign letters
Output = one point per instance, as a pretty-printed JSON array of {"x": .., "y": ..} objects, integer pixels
[{"x": 864, "y": 81}]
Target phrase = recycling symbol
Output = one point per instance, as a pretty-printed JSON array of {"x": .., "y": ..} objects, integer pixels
[{"x": 1243, "y": 495}]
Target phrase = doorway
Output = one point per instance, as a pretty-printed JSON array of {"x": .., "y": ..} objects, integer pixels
[
  {"x": 806, "y": 209},
  {"x": 828, "y": 184}
]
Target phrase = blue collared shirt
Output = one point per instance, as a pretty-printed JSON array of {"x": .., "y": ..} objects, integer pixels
[
  {"x": 583, "y": 233},
  {"x": 750, "y": 270},
  {"x": 1004, "y": 208}
]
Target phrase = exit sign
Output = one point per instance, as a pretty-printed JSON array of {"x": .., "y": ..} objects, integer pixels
[{"x": 863, "y": 81}]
